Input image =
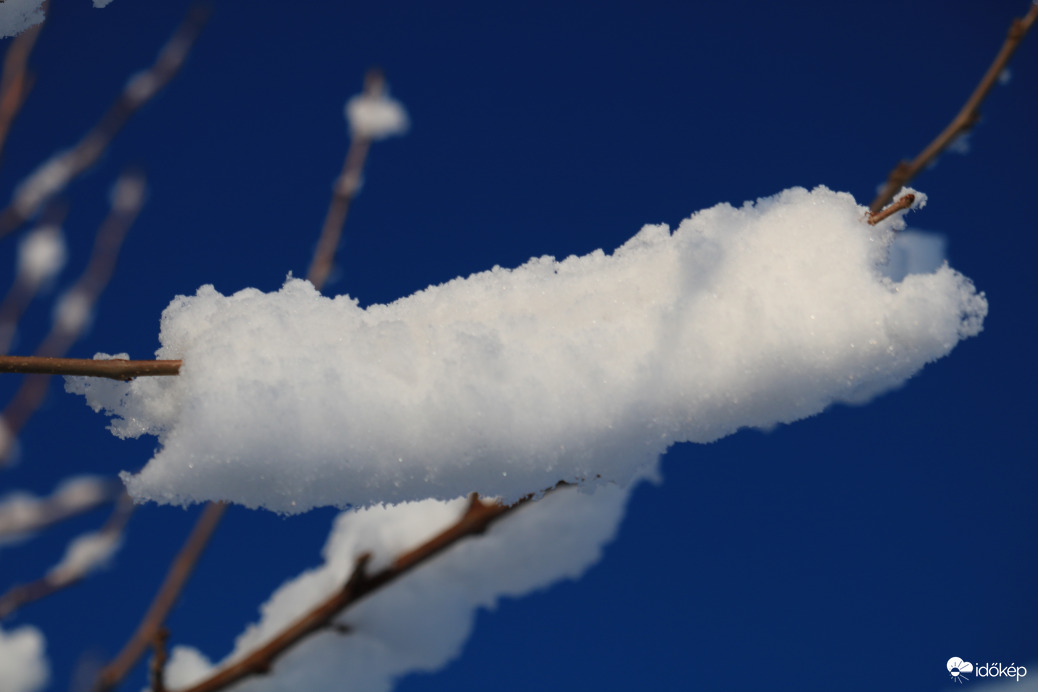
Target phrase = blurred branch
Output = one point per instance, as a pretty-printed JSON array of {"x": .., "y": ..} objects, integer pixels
[
  {"x": 476, "y": 519},
  {"x": 23, "y": 515},
  {"x": 16, "y": 81},
  {"x": 55, "y": 174},
  {"x": 158, "y": 661},
  {"x": 28, "y": 279},
  {"x": 179, "y": 572},
  {"x": 345, "y": 189},
  {"x": 182, "y": 566},
  {"x": 73, "y": 310},
  {"x": 961, "y": 123},
  {"x": 75, "y": 566}
]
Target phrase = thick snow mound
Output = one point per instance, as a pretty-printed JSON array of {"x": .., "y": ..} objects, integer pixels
[{"x": 509, "y": 381}]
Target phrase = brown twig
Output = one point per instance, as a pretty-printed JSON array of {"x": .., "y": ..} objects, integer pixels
[
  {"x": 115, "y": 369},
  {"x": 961, "y": 123},
  {"x": 61, "y": 578},
  {"x": 320, "y": 267},
  {"x": 17, "y": 80},
  {"x": 179, "y": 572},
  {"x": 72, "y": 313},
  {"x": 158, "y": 661},
  {"x": 55, "y": 174},
  {"x": 476, "y": 519},
  {"x": 903, "y": 202},
  {"x": 345, "y": 189}
]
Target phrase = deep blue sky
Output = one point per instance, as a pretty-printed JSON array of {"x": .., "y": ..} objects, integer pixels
[{"x": 858, "y": 550}]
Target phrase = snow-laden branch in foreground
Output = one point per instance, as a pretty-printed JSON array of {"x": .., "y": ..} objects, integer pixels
[
  {"x": 509, "y": 381},
  {"x": 420, "y": 622}
]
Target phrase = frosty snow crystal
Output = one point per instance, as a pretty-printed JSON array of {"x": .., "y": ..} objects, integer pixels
[{"x": 509, "y": 381}]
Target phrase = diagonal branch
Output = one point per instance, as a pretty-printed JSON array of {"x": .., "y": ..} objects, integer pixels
[
  {"x": 17, "y": 80},
  {"x": 961, "y": 123},
  {"x": 345, "y": 189},
  {"x": 55, "y": 174},
  {"x": 75, "y": 567},
  {"x": 476, "y": 519},
  {"x": 179, "y": 572}
]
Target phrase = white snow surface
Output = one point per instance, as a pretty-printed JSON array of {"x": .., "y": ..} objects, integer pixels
[
  {"x": 376, "y": 117},
  {"x": 41, "y": 255},
  {"x": 421, "y": 621},
  {"x": 86, "y": 553},
  {"x": 23, "y": 665},
  {"x": 18, "y": 15},
  {"x": 508, "y": 381}
]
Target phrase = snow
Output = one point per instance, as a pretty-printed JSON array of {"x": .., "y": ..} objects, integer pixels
[
  {"x": 18, "y": 15},
  {"x": 376, "y": 117},
  {"x": 22, "y": 512},
  {"x": 23, "y": 666},
  {"x": 509, "y": 381},
  {"x": 84, "y": 554},
  {"x": 41, "y": 255},
  {"x": 420, "y": 622}
]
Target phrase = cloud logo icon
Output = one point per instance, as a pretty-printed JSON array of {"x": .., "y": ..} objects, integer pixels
[{"x": 956, "y": 666}]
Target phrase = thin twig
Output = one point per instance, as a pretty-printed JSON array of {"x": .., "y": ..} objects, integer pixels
[
  {"x": 179, "y": 572},
  {"x": 345, "y": 189},
  {"x": 115, "y": 369},
  {"x": 158, "y": 661},
  {"x": 17, "y": 80},
  {"x": 54, "y": 175},
  {"x": 905, "y": 171},
  {"x": 476, "y": 519},
  {"x": 903, "y": 202}
]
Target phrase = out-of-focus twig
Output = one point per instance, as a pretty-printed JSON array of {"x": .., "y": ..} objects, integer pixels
[
  {"x": 158, "y": 661},
  {"x": 475, "y": 520},
  {"x": 961, "y": 123},
  {"x": 52, "y": 176},
  {"x": 40, "y": 257},
  {"x": 345, "y": 189},
  {"x": 73, "y": 310},
  {"x": 21, "y": 514},
  {"x": 181, "y": 568},
  {"x": 16, "y": 80},
  {"x": 84, "y": 555}
]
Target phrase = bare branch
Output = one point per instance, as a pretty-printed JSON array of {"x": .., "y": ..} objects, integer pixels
[
  {"x": 17, "y": 80},
  {"x": 55, "y": 174},
  {"x": 961, "y": 123},
  {"x": 179, "y": 572},
  {"x": 115, "y": 369},
  {"x": 477, "y": 518},
  {"x": 345, "y": 188},
  {"x": 64, "y": 575},
  {"x": 158, "y": 662},
  {"x": 903, "y": 202}
]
